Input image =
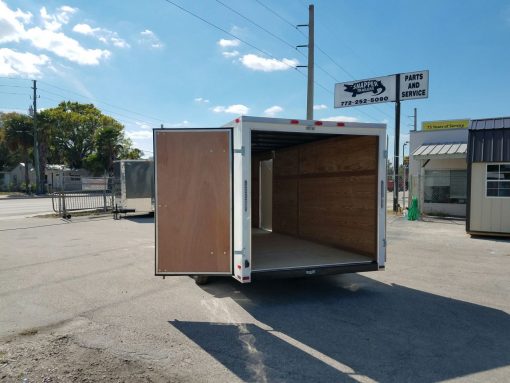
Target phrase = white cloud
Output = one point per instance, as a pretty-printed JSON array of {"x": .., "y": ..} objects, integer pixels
[
  {"x": 142, "y": 125},
  {"x": 320, "y": 107},
  {"x": 150, "y": 39},
  {"x": 225, "y": 43},
  {"x": 62, "y": 16},
  {"x": 104, "y": 35},
  {"x": 85, "y": 29},
  {"x": 17, "y": 63},
  {"x": 139, "y": 135},
  {"x": 64, "y": 46},
  {"x": 258, "y": 63},
  {"x": 233, "y": 109},
  {"x": 340, "y": 119},
  {"x": 230, "y": 54},
  {"x": 12, "y": 23},
  {"x": 201, "y": 100},
  {"x": 273, "y": 111},
  {"x": 49, "y": 38}
]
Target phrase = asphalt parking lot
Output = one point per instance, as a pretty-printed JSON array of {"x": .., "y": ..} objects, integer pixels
[{"x": 79, "y": 302}]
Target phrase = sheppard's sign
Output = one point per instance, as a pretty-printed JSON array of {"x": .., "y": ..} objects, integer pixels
[
  {"x": 370, "y": 91},
  {"x": 382, "y": 89}
]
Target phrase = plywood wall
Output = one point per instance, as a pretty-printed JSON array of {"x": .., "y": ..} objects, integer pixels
[{"x": 326, "y": 191}]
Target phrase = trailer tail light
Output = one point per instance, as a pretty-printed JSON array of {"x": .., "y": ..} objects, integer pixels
[
  {"x": 340, "y": 124},
  {"x": 246, "y": 278},
  {"x": 318, "y": 123},
  {"x": 294, "y": 122}
]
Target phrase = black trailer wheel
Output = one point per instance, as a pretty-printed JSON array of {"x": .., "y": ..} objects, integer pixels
[{"x": 201, "y": 279}]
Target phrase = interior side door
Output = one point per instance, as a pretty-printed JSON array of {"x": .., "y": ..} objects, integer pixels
[{"x": 193, "y": 191}]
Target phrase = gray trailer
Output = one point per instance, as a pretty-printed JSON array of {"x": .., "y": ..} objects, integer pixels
[
  {"x": 266, "y": 197},
  {"x": 133, "y": 186}
]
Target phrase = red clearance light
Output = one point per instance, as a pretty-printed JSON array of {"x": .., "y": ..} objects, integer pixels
[
  {"x": 318, "y": 123},
  {"x": 295, "y": 122},
  {"x": 340, "y": 124},
  {"x": 238, "y": 120},
  {"x": 239, "y": 267}
]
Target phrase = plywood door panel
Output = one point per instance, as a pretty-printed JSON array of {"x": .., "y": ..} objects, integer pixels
[{"x": 193, "y": 202}]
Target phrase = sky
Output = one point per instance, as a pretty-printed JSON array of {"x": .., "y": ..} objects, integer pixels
[{"x": 202, "y": 63}]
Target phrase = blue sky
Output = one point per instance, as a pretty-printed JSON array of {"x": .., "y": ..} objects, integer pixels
[{"x": 147, "y": 63}]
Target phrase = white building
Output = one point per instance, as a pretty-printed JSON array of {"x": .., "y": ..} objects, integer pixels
[{"x": 438, "y": 170}]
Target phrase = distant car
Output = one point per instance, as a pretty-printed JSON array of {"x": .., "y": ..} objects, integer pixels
[{"x": 391, "y": 184}]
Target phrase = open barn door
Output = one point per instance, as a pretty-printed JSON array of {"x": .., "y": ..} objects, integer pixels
[{"x": 193, "y": 179}]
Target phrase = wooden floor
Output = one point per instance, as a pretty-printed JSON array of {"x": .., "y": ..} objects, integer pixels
[{"x": 272, "y": 251}]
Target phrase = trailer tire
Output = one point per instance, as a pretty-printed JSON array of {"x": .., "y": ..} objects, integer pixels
[{"x": 201, "y": 279}]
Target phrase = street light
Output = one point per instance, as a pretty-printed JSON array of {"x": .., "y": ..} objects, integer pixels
[{"x": 404, "y": 181}]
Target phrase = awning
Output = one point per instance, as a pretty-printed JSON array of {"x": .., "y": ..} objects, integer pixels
[{"x": 441, "y": 151}]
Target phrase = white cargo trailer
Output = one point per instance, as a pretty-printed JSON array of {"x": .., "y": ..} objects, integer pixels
[
  {"x": 266, "y": 197},
  {"x": 133, "y": 186}
]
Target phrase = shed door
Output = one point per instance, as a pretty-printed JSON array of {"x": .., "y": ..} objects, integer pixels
[{"x": 193, "y": 201}]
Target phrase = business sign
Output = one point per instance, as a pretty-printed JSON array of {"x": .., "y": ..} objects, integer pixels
[
  {"x": 382, "y": 89},
  {"x": 445, "y": 124},
  {"x": 414, "y": 85},
  {"x": 371, "y": 91}
]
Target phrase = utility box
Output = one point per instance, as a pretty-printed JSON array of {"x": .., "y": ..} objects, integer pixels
[
  {"x": 133, "y": 186},
  {"x": 266, "y": 197}
]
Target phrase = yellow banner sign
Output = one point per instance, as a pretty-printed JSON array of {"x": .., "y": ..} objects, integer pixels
[{"x": 448, "y": 124}]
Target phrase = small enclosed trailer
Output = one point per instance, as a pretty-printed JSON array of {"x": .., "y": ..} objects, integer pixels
[
  {"x": 267, "y": 197},
  {"x": 133, "y": 186}
]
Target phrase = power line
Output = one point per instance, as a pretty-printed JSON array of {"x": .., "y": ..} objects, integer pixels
[
  {"x": 242, "y": 40},
  {"x": 103, "y": 102},
  {"x": 229, "y": 33},
  {"x": 126, "y": 119},
  {"x": 292, "y": 46},
  {"x": 323, "y": 52}
]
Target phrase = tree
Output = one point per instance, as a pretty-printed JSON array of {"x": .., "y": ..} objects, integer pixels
[
  {"x": 8, "y": 157},
  {"x": 73, "y": 127},
  {"x": 19, "y": 137}
]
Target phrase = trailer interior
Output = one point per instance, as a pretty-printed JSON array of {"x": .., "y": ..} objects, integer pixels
[{"x": 314, "y": 200}]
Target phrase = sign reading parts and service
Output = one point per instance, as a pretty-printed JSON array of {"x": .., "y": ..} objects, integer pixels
[
  {"x": 414, "y": 85},
  {"x": 445, "y": 124},
  {"x": 365, "y": 92}
]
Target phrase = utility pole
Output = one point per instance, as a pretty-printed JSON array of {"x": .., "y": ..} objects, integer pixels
[
  {"x": 396, "y": 148},
  {"x": 38, "y": 185},
  {"x": 311, "y": 60},
  {"x": 415, "y": 119}
]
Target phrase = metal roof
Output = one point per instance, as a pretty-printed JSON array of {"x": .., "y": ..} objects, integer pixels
[
  {"x": 490, "y": 123},
  {"x": 441, "y": 151},
  {"x": 489, "y": 145},
  {"x": 489, "y": 140}
]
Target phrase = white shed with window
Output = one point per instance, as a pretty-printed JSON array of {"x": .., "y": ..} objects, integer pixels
[{"x": 488, "y": 210}]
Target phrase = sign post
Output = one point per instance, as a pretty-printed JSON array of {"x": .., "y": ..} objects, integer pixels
[
  {"x": 397, "y": 144},
  {"x": 394, "y": 88}
]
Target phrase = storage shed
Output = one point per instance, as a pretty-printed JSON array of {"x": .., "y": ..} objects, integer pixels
[{"x": 488, "y": 209}]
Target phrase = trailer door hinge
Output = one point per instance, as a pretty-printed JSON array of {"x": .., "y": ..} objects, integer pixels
[
  {"x": 384, "y": 242},
  {"x": 241, "y": 151}
]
